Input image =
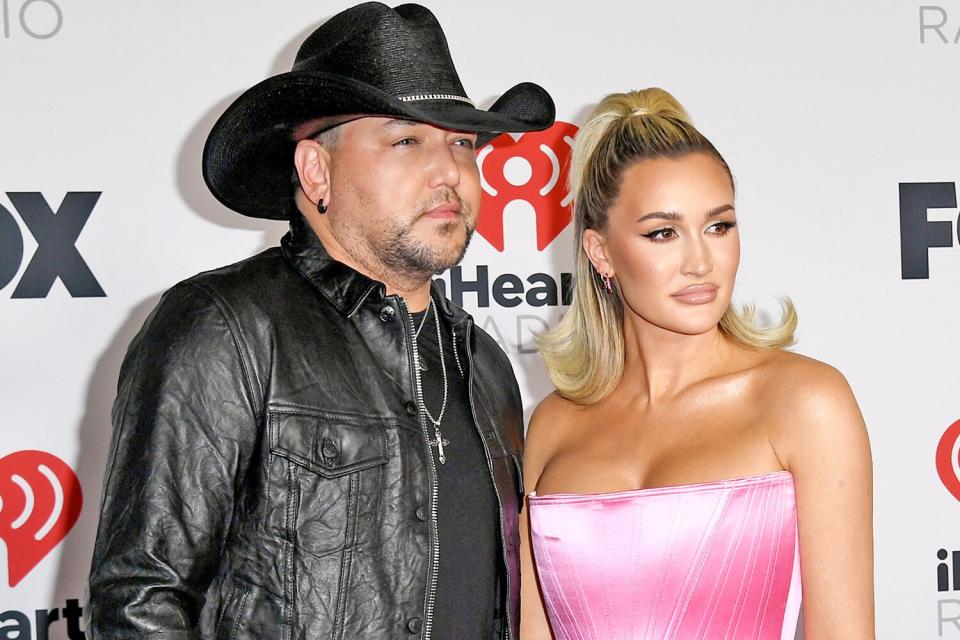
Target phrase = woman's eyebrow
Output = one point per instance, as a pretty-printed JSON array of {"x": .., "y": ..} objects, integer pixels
[
  {"x": 673, "y": 216},
  {"x": 718, "y": 210}
]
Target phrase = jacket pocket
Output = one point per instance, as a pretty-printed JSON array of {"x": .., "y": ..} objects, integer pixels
[
  {"x": 232, "y": 613},
  {"x": 326, "y": 474},
  {"x": 327, "y": 444}
]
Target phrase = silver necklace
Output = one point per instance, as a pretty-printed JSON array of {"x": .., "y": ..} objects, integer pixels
[
  {"x": 416, "y": 334},
  {"x": 443, "y": 407},
  {"x": 423, "y": 320}
]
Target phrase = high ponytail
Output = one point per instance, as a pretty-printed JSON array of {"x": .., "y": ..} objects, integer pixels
[{"x": 584, "y": 353}]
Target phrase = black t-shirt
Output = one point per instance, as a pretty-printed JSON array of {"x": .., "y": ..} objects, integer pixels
[{"x": 468, "y": 517}]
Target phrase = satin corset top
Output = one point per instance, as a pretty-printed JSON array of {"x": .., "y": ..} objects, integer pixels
[{"x": 712, "y": 561}]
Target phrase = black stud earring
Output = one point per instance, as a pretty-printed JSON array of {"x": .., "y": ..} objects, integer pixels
[{"x": 322, "y": 208}]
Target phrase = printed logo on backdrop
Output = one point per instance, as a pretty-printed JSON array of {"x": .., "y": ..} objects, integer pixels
[
  {"x": 936, "y": 27},
  {"x": 524, "y": 173},
  {"x": 948, "y": 580},
  {"x": 36, "y": 19},
  {"x": 56, "y": 234},
  {"x": 919, "y": 234},
  {"x": 40, "y": 501},
  {"x": 948, "y": 560},
  {"x": 948, "y": 459},
  {"x": 533, "y": 169}
]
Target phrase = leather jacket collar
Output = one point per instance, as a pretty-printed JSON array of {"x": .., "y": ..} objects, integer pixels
[{"x": 344, "y": 287}]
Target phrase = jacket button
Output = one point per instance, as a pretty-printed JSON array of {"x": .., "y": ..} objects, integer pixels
[
  {"x": 421, "y": 514},
  {"x": 329, "y": 449},
  {"x": 411, "y": 408},
  {"x": 387, "y": 313},
  {"x": 413, "y": 625}
]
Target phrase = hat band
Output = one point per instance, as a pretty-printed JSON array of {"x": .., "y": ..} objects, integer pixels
[{"x": 436, "y": 96}]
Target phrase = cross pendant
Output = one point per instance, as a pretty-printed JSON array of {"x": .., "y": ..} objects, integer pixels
[{"x": 443, "y": 442}]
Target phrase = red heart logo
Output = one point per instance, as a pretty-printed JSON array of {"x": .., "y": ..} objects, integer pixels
[
  {"x": 542, "y": 160},
  {"x": 948, "y": 459},
  {"x": 40, "y": 501}
]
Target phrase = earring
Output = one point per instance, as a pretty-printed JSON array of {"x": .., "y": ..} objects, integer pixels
[
  {"x": 322, "y": 208},
  {"x": 606, "y": 283}
]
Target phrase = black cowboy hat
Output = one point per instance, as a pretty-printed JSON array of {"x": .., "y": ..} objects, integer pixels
[{"x": 369, "y": 59}]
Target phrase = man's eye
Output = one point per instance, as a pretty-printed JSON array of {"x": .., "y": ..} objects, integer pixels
[
  {"x": 405, "y": 142},
  {"x": 469, "y": 143}
]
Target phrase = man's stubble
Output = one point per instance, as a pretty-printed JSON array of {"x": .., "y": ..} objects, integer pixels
[{"x": 392, "y": 252}]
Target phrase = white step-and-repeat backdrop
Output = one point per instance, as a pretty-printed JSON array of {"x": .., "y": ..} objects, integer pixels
[{"x": 841, "y": 122}]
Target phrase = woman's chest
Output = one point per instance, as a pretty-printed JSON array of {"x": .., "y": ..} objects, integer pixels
[{"x": 623, "y": 450}]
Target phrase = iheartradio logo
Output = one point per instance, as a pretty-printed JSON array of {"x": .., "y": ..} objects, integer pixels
[
  {"x": 533, "y": 168},
  {"x": 40, "y": 501},
  {"x": 948, "y": 459}
]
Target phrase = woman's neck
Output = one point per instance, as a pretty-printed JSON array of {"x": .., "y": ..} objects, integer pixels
[{"x": 659, "y": 364}]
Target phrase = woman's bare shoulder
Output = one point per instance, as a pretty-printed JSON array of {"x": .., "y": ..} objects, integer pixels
[
  {"x": 549, "y": 427},
  {"x": 807, "y": 403},
  {"x": 801, "y": 383},
  {"x": 552, "y": 416},
  {"x": 555, "y": 407}
]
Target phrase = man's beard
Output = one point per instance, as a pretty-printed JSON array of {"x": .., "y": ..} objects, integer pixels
[{"x": 401, "y": 253}]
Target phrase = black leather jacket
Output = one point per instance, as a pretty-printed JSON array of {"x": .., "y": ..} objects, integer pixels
[{"x": 269, "y": 474}]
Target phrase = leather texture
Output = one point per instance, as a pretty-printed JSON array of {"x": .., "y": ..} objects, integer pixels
[{"x": 268, "y": 474}]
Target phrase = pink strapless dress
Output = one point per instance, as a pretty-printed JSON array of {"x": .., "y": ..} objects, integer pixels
[{"x": 710, "y": 561}]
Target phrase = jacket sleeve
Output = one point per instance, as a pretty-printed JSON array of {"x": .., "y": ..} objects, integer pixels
[{"x": 185, "y": 423}]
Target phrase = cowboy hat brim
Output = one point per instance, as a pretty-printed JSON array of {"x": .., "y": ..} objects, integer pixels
[{"x": 248, "y": 156}]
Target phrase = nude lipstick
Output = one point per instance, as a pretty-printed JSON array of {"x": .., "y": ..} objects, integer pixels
[{"x": 696, "y": 294}]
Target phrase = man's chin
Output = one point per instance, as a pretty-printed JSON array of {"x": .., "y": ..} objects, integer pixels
[
  {"x": 447, "y": 257},
  {"x": 444, "y": 261},
  {"x": 450, "y": 242}
]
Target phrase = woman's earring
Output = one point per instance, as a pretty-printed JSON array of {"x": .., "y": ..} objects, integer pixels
[
  {"x": 322, "y": 208},
  {"x": 606, "y": 283}
]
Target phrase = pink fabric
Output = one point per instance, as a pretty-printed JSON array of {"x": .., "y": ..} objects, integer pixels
[{"x": 712, "y": 561}]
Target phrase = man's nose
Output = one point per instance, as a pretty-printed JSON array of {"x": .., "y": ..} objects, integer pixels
[{"x": 443, "y": 168}]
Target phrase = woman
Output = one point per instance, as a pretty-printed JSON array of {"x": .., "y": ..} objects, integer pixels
[{"x": 686, "y": 462}]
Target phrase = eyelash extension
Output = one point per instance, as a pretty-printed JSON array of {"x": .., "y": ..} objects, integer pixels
[
  {"x": 724, "y": 228},
  {"x": 652, "y": 235}
]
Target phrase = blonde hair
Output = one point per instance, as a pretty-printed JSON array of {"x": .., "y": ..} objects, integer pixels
[{"x": 584, "y": 353}]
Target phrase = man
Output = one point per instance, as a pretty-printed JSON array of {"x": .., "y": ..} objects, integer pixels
[{"x": 314, "y": 443}]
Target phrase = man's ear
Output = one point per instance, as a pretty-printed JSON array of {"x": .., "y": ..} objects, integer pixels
[
  {"x": 595, "y": 246},
  {"x": 312, "y": 162}
]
